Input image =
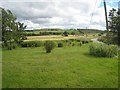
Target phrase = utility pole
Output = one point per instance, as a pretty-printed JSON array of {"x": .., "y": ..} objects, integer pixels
[{"x": 106, "y": 20}]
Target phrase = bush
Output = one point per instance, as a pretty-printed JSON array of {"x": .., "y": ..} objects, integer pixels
[
  {"x": 73, "y": 44},
  {"x": 31, "y": 44},
  {"x": 112, "y": 40},
  {"x": 86, "y": 41},
  {"x": 103, "y": 50},
  {"x": 78, "y": 40},
  {"x": 24, "y": 38},
  {"x": 65, "y": 33},
  {"x": 99, "y": 35},
  {"x": 49, "y": 45},
  {"x": 80, "y": 44},
  {"x": 10, "y": 45},
  {"x": 60, "y": 44},
  {"x": 72, "y": 40},
  {"x": 72, "y": 33},
  {"x": 14, "y": 45},
  {"x": 83, "y": 42}
]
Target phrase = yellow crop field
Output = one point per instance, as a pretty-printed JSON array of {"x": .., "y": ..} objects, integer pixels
[{"x": 52, "y": 37}]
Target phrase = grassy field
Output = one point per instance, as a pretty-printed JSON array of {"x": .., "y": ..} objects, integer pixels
[{"x": 65, "y": 67}]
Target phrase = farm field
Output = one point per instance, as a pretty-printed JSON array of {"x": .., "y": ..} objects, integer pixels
[
  {"x": 66, "y": 67},
  {"x": 52, "y": 37},
  {"x": 57, "y": 37}
]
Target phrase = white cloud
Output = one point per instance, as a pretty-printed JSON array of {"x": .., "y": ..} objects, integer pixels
[{"x": 58, "y": 13}]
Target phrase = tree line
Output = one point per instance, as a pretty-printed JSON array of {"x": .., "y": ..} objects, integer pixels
[{"x": 12, "y": 30}]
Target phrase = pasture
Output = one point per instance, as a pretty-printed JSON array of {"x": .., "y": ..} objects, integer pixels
[{"x": 66, "y": 67}]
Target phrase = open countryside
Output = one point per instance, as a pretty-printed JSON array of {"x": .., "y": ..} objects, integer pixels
[{"x": 58, "y": 57}]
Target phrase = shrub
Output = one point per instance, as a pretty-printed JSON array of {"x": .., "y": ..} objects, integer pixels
[
  {"x": 0, "y": 45},
  {"x": 103, "y": 50},
  {"x": 73, "y": 44},
  {"x": 86, "y": 41},
  {"x": 111, "y": 40},
  {"x": 112, "y": 51},
  {"x": 80, "y": 44},
  {"x": 72, "y": 40},
  {"x": 60, "y": 44},
  {"x": 24, "y": 38},
  {"x": 78, "y": 40},
  {"x": 99, "y": 35},
  {"x": 68, "y": 42},
  {"x": 31, "y": 44},
  {"x": 14, "y": 45},
  {"x": 72, "y": 33},
  {"x": 49, "y": 45},
  {"x": 65, "y": 33},
  {"x": 83, "y": 42},
  {"x": 9, "y": 45}
]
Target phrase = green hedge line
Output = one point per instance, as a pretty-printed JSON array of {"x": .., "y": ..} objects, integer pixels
[
  {"x": 58, "y": 43},
  {"x": 111, "y": 40},
  {"x": 31, "y": 44}
]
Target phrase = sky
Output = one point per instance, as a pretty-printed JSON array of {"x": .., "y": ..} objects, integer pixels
[{"x": 64, "y": 14}]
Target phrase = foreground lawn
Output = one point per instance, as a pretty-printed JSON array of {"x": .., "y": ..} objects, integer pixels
[{"x": 64, "y": 67}]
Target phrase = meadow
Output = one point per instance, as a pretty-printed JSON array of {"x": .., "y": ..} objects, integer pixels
[
  {"x": 70, "y": 60},
  {"x": 65, "y": 67}
]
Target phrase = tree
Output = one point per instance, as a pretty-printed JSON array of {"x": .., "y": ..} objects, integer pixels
[
  {"x": 114, "y": 23},
  {"x": 118, "y": 26},
  {"x": 12, "y": 31},
  {"x": 49, "y": 45},
  {"x": 18, "y": 30},
  {"x": 65, "y": 33}
]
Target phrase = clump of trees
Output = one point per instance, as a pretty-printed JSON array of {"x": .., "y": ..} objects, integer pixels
[{"x": 12, "y": 30}]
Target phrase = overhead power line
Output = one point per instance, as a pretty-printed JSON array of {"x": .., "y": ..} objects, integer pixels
[{"x": 92, "y": 13}]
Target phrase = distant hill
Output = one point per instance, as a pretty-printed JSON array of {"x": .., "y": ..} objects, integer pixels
[
  {"x": 91, "y": 31},
  {"x": 69, "y": 30}
]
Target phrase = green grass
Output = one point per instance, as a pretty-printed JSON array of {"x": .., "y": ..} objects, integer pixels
[
  {"x": 65, "y": 67},
  {"x": 38, "y": 32},
  {"x": 91, "y": 31},
  {"x": 59, "y": 31},
  {"x": 119, "y": 66}
]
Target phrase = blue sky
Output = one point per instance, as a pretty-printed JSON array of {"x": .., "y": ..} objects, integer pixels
[{"x": 112, "y": 3}]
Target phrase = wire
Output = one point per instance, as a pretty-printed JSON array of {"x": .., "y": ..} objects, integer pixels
[{"x": 92, "y": 13}]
